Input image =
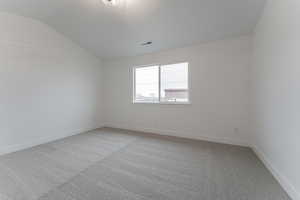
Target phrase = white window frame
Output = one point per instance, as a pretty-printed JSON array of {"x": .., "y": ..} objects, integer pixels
[{"x": 159, "y": 85}]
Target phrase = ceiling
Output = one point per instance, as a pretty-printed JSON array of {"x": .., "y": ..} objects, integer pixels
[{"x": 111, "y": 32}]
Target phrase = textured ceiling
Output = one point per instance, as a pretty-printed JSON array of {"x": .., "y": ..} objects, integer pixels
[{"x": 117, "y": 32}]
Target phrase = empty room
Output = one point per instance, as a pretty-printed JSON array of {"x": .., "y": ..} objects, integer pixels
[{"x": 149, "y": 100}]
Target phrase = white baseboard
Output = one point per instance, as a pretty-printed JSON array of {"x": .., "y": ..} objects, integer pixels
[
  {"x": 42, "y": 140},
  {"x": 283, "y": 181},
  {"x": 179, "y": 134}
]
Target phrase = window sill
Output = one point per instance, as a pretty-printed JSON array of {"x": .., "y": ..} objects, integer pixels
[{"x": 163, "y": 103}]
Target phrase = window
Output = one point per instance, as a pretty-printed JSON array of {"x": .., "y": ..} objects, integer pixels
[
  {"x": 146, "y": 84},
  {"x": 161, "y": 84}
]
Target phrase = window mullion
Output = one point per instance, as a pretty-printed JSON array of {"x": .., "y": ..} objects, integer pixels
[{"x": 159, "y": 83}]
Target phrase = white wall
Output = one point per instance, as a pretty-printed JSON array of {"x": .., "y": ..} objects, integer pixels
[
  {"x": 49, "y": 86},
  {"x": 276, "y": 91},
  {"x": 219, "y": 93}
]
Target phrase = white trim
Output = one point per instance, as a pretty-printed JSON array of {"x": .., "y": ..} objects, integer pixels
[
  {"x": 133, "y": 83},
  {"x": 283, "y": 180},
  {"x": 179, "y": 134},
  {"x": 17, "y": 147},
  {"x": 159, "y": 83}
]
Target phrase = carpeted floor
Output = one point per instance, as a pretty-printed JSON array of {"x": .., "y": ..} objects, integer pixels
[{"x": 110, "y": 164}]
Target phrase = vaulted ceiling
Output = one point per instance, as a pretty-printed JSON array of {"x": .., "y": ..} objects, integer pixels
[{"x": 111, "y": 32}]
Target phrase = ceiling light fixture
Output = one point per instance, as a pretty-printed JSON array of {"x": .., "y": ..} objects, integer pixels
[{"x": 113, "y": 3}]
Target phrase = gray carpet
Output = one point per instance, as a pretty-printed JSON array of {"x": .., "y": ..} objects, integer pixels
[{"x": 110, "y": 164}]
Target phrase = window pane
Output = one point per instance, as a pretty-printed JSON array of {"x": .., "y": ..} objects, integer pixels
[
  {"x": 147, "y": 84},
  {"x": 174, "y": 83}
]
